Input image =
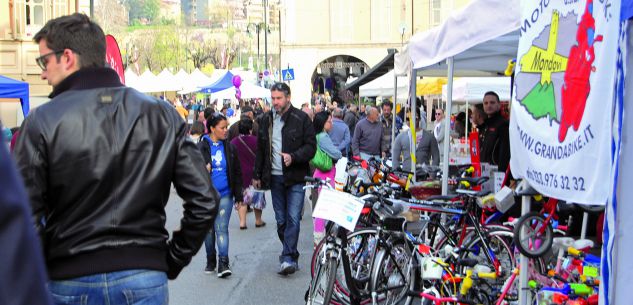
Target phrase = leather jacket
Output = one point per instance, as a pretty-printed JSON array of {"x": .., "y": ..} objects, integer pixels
[
  {"x": 98, "y": 162},
  {"x": 297, "y": 139},
  {"x": 495, "y": 142}
]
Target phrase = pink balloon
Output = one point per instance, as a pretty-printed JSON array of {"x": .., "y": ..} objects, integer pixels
[
  {"x": 237, "y": 81},
  {"x": 238, "y": 96}
]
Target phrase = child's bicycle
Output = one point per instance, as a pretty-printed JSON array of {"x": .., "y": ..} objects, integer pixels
[{"x": 534, "y": 231}]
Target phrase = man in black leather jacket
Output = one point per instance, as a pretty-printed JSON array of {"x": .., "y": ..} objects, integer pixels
[
  {"x": 285, "y": 145},
  {"x": 495, "y": 137},
  {"x": 98, "y": 162}
]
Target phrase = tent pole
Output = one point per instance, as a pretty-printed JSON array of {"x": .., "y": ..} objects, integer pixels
[
  {"x": 447, "y": 125},
  {"x": 412, "y": 93},
  {"x": 466, "y": 121},
  {"x": 393, "y": 110}
]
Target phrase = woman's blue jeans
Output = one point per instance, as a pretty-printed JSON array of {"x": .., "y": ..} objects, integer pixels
[{"x": 220, "y": 230}]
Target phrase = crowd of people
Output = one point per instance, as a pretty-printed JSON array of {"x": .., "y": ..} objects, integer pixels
[{"x": 107, "y": 229}]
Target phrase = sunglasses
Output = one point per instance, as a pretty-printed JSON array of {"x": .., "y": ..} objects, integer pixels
[{"x": 42, "y": 61}]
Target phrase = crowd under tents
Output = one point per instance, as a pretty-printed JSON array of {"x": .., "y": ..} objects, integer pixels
[
  {"x": 466, "y": 44},
  {"x": 196, "y": 82}
]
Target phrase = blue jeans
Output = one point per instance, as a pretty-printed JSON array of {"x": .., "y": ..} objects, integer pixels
[
  {"x": 220, "y": 229},
  {"x": 131, "y": 287},
  {"x": 287, "y": 203}
]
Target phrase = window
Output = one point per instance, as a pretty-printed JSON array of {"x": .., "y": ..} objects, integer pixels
[
  {"x": 436, "y": 12},
  {"x": 31, "y": 15},
  {"x": 35, "y": 16},
  {"x": 381, "y": 25},
  {"x": 342, "y": 20}
]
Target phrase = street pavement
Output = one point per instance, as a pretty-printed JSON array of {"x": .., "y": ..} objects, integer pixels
[{"x": 253, "y": 255}]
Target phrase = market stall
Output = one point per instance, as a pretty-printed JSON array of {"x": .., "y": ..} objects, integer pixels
[{"x": 11, "y": 88}]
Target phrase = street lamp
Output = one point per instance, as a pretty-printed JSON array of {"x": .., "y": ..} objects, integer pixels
[
  {"x": 265, "y": 26},
  {"x": 258, "y": 27}
]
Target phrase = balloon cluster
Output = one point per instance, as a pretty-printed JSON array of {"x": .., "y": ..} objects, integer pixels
[{"x": 237, "y": 82}]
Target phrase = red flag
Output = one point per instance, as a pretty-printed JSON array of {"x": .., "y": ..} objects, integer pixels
[{"x": 113, "y": 57}]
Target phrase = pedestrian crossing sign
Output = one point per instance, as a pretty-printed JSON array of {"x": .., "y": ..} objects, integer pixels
[{"x": 288, "y": 74}]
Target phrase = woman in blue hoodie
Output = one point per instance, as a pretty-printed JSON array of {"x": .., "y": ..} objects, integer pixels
[{"x": 224, "y": 167}]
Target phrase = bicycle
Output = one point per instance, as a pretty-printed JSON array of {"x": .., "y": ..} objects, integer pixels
[{"x": 534, "y": 232}]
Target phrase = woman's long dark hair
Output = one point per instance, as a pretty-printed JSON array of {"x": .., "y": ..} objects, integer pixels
[{"x": 319, "y": 121}]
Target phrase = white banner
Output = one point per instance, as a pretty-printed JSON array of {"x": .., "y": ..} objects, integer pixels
[{"x": 561, "y": 121}]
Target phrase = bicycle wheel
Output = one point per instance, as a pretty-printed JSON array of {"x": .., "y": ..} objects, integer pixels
[
  {"x": 532, "y": 236},
  {"x": 390, "y": 278},
  {"x": 501, "y": 251},
  {"x": 322, "y": 285},
  {"x": 361, "y": 249}
]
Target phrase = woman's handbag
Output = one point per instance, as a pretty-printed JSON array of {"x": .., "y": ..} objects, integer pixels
[
  {"x": 255, "y": 198},
  {"x": 321, "y": 160}
]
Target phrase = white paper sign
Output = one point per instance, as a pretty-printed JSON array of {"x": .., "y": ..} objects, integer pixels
[{"x": 341, "y": 208}]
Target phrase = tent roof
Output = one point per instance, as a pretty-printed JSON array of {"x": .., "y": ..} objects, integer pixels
[
  {"x": 472, "y": 89},
  {"x": 479, "y": 44},
  {"x": 11, "y": 88},
  {"x": 168, "y": 81},
  {"x": 248, "y": 91},
  {"x": 226, "y": 81},
  {"x": 383, "y": 86}
]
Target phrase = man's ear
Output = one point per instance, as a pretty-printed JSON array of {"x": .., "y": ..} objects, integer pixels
[{"x": 70, "y": 60}]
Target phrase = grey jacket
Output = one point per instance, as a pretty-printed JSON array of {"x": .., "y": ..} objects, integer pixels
[
  {"x": 426, "y": 151},
  {"x": 325, "y": 143},
  {"x": 367, "y": 138}
]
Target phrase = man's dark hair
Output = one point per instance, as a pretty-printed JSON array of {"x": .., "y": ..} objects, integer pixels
[
  {"x": 246, "y": 109},
  {"x": 493, "y": 94},
  {"x": 208, "y": 112},
  {"x": 281, "y": 87},
  {"x": 387, "y": 103},
  {"x": 245, "y": 126},
  {"x": 77, "y": 33},
  {"x": 319, "y": 120}
]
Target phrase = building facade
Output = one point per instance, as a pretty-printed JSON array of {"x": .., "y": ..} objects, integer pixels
[
  {"x": 20, "y": 20},
  {"x": 326, "y": 42}
]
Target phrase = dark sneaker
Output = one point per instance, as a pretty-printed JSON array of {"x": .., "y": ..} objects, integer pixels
[
  {"x": 211, "y": 264},
  {"x": 287, "y": 268},
  {"x": 223, "y": 267}
]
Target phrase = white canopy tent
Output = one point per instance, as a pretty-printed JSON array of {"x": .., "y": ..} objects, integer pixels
[
  {"x": 130, "y": 78},
  {"x": 248, "y": 91},
  {"x": 472, "y": 89},
  {"x": 383, "y": 86},
  {"x": 196, "y": 80},
  {"x": 147, "y": 82},
  {"x": 468, "y": 43},
  {"x": 168, "y": 81}
]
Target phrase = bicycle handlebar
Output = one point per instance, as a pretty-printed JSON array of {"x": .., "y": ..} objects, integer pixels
[{"x": 435, "y": 299}]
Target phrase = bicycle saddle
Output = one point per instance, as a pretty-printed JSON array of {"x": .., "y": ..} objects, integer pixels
[{"x": 473, "y": 180}]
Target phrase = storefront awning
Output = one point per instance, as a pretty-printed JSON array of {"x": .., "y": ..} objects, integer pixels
[{"x": 380, "y": 69}]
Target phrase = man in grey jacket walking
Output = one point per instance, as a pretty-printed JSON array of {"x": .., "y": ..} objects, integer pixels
[{"x": 367, "y": 141}]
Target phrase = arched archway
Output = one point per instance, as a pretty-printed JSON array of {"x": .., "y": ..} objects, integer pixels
[{"x": 331, "y": 74}]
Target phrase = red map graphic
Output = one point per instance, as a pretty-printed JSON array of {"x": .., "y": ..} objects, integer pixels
[{"x": 579, "y": 67}]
